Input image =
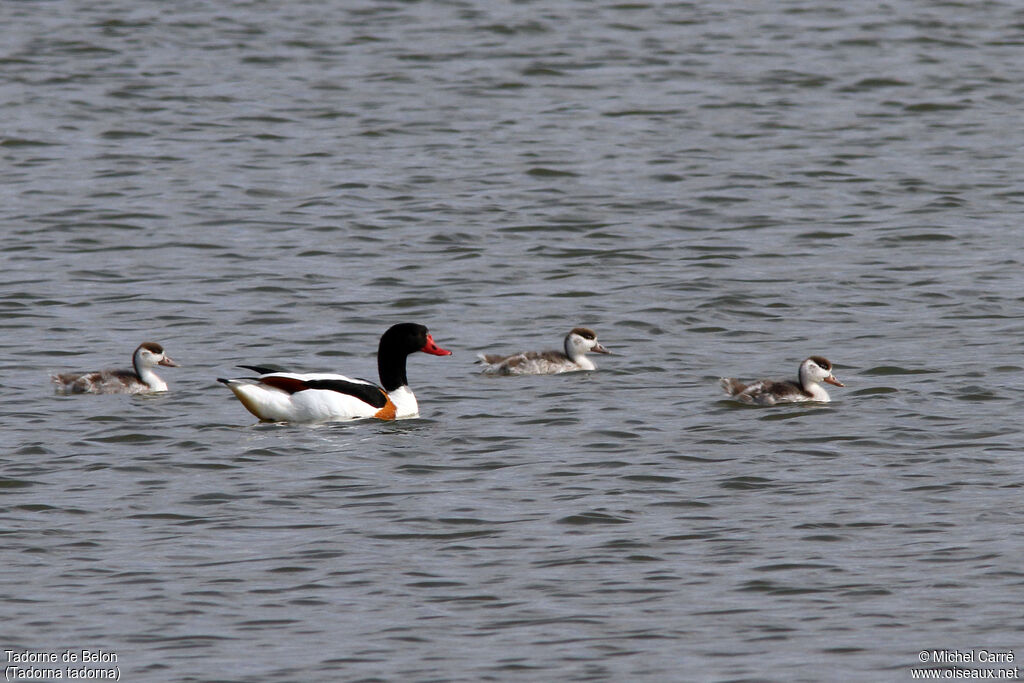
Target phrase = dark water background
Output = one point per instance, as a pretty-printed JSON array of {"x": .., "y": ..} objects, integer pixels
[{"x": 716, "y": 188}]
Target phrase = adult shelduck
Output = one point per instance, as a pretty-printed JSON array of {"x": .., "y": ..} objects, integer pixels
[
  {"x": 321, "y": 397},
  {"x": 768, "y": 392},
  {"x": 578, "y": 343},
  {"x": 139, "y": 380}
]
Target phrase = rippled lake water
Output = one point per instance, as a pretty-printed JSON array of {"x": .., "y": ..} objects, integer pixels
[{"x": 717, "y": 189}]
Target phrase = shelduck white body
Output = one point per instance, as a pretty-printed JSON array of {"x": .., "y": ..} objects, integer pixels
[
  {"x": 578, "y": 343},
  {"x": 768, "y": 392},
  {"x": 322, "y": 397},
  {"x": 141, "y": 379}
]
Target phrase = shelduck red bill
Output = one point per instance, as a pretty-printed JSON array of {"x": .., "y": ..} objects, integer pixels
[
  {"x": 433, "y": 349},
  {"x": 831, "y": 379}
]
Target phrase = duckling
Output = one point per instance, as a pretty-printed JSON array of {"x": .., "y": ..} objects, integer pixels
[
  {"x": 578, "y": 343},
  {"x": 768, "y": 392},
  {"x": 139, "y": 380}
]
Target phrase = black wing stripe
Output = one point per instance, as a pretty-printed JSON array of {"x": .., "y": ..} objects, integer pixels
[
  {"x": 263, "y": 369},
  {"x": 369, "y": 393}
]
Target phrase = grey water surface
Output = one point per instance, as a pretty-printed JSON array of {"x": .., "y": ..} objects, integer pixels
[{"x": 716, "y": 188}]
